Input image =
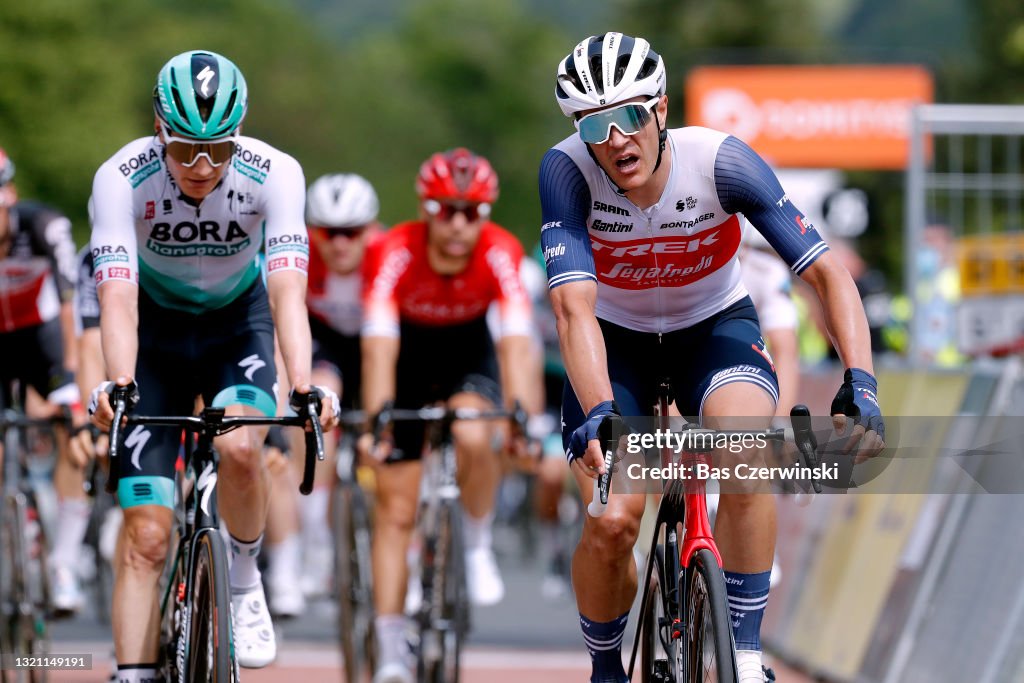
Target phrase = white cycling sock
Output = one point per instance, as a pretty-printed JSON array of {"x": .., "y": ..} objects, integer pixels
[
  {"x": 133, "y": 673},
  {"x": 477, "y": 531},
  {"x": 72, "y": 523},
  {"x": 285, "y": 559},
  {"x": 551, "y": 542},
  {"x": 313, "y": 516},
  {"x": 244, "y": 573},
  {"x": 390, "y": 630}
]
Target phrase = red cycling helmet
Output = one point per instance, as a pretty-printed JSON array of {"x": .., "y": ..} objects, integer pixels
[
  {"x": 6, "y": 168},
  {"x": 457, "y": 175}
]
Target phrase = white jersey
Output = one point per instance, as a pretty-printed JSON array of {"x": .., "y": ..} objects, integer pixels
[
  {"x": 675, "y": 263},
  {"x": 767, "y": 279},
  {"x": 197, "y": 258}
]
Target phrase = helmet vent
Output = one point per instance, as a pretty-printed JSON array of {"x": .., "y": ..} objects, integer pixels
[
  {"x": 229, "y": 108},
  {"x": 179, "y": 106},
  {"x": 649, "y": 66}
]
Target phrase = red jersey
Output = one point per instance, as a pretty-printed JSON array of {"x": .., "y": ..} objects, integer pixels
[{"x": 399, "y": 284}]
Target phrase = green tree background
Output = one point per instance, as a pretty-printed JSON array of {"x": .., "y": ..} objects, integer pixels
[{"x": 375, "y": 86}]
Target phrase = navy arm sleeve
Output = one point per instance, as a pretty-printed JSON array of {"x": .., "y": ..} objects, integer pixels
[
  {"x": 747, "y": 185},
  {"x": 565, "y": 205}
]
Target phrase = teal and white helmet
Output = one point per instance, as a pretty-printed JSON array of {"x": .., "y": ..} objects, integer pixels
[{"x": 201, "y": 95}]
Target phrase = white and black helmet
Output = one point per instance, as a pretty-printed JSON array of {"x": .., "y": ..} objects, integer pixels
[
  {"x": 606, "y": 69},
  {"x": 341, "y": 200}
]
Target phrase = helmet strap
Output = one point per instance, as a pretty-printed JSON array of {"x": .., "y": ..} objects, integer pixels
[{"x": 662, "y": 137}]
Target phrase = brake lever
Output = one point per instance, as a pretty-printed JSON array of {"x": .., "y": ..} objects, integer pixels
[{"x": 806, "y": 442}]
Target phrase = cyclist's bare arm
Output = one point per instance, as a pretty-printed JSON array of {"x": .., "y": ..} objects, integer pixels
[
  {"x": 514, "y": 354},
  {"x": 380, "y": 358},
  {"x": 848, "y": 328},
  {"x": 783, "y": 345},
  {"x": 119, "y": 333},
  {"x": 88, "y": 374},
  {"x": 516, "y": 361},
  {"x": 67, "y": 329},
  {"x": 287, "y": 293},
  {"x": 583, "y": 351},
  {"x": 843, "y": 310}
]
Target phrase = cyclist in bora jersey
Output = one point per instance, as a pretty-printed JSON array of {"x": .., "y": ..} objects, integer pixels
[
  {"x": 428, "y": 285},
  {"x": 640, "y": 235},
  {"x": 178, "y": 221}
]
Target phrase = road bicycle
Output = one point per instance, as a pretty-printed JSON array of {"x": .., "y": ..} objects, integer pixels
[
  {"x": 103, "y": 508},
  {"x": 442, "y": 620},
  {"x": 353, "y": 570},
  {"x": 24, "y": 579},
  {"x": 196, "y": 637},
  {"x": 684, "y": 632}
]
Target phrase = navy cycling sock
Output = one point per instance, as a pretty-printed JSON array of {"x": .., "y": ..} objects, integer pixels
[
  {"x": 604, "y": 642},
  {"x": 748, "y": 595}
]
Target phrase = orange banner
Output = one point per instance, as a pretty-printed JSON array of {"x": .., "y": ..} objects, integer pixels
[{"x": 851, "y": 117}]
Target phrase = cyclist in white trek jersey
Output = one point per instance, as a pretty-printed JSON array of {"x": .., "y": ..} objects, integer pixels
[
  {"x": 640, "y": 229},
  {"x": 178, "y": 221}
]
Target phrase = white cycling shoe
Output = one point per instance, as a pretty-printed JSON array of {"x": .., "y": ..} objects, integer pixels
[
  {"x": 486, "y": 587},
  {"x": 254, "y": 631},
  {"x": 748, "y": 664},
  {"x": 393, "y": 672},
  {"x": 66, "y": 594}
]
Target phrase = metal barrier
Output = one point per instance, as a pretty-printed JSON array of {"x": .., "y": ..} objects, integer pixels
[{"x": 912, "y": 587}]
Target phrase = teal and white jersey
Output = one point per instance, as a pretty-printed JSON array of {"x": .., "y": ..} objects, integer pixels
[{"x": 197, "y": 258}]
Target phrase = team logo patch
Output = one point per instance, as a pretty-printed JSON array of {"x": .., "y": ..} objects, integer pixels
[{"x": 669, "y": 261}]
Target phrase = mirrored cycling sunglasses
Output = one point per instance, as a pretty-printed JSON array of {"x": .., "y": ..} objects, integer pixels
[
  {"x": 187, "y": 152},
  {"x": 447, "y": 210},
  {"x": 348, "y": 232},
  {"x": 629, "y": 118}
]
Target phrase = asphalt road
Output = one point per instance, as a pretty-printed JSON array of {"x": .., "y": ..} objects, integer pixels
[{"x": 526, "y": 638}]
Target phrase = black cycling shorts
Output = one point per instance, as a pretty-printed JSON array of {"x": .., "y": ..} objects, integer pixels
[
  {"x": 339, "y": 353},
  {"x": 34, "y": 356},
  {"x": 725, "y": 348},
  {"x": 435, "y": 363},
  {"x": 225, "y": 355}
]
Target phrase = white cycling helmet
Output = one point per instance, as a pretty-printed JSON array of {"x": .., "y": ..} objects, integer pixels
[
  {"x": 341, "y": 200},
  {"x": 606, "y": 69}
]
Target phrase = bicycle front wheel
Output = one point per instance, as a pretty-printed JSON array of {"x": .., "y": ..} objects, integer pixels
[
  {"x": 211, "y": 657},
  {"x": 709, "y": 649},
  {"x": 447, "y": 620},
  {"x": 22, "y": 585},
  {"x": 355, "y": 581}
]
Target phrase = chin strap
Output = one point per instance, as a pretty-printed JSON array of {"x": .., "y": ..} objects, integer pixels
[{"x": 662, "y": 138}]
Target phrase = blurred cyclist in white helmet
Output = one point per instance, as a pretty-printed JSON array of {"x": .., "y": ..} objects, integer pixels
[{"x": 341, "y": 214}]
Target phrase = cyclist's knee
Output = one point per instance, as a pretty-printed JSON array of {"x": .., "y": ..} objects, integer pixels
[
  {"x": 612, "y": 535},
  {"x": 474, "y": 436},
  {"x": 146, "y": 539},
  {"x": 241, "y": 456},
  {"x": 742, "y": 499},
  {"x": 397, "y": 513}
]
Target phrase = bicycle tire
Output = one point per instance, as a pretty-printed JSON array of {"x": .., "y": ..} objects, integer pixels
[
  {"x": 211, "y": 656},
  {"x": 172, "y": 610},
  {"x": 354, "y": 581},
  {"x": 710, "y": 651},
  {"x": 447, "y": 620},
  {"x": 24, "y": 609}
]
